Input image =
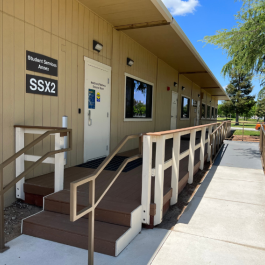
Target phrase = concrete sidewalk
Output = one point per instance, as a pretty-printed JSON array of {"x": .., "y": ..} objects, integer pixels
[
  {"x": 225, "y": 221},
  {"x": 245, "y": 129}
]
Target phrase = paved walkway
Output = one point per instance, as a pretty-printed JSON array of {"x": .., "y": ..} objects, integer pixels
[
  {"x": 245, "y": 129},
  {"x": 223, "y": 224},
  {"x": 225, "y": 221}
]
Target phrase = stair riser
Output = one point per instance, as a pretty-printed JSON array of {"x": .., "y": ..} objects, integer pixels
[
  {"x": 67, "y": 238},
  {"x": 100, "y": 214}
]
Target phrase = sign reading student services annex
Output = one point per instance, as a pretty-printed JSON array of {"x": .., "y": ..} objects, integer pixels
[{"x": 42, "y": 64}]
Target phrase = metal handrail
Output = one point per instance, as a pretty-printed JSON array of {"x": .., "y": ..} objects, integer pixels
[
  {"x": 3, "y": 189},
  {"x": 90, "y": 210}
]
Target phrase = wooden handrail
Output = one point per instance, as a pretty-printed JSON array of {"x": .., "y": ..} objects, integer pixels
[
  {"x": 3, "y": 189},
  {"x": 181, "y": 130},
  {"x": 92, "y": 203}
]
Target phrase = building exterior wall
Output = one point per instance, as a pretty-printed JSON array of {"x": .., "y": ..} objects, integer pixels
[{"x": 65, "y": 30}]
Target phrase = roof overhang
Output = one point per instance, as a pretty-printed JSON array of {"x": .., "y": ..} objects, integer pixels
[{"x": 150, "y": 24}]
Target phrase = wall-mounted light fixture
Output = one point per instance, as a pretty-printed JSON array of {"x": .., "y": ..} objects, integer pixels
[
  {"x": 130, "y": 62},
  {"x": 97, "y": 46},
  {"x": 210, "y": 101},
  {"x": 175, "y": 84},
  {"x": 183, "y": 88},
  {"x": 199, "y": 95}
]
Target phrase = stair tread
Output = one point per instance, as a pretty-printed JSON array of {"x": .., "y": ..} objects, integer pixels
[
  {"x": 103, "y": 231},
  {"x": 108, "y": 203}
]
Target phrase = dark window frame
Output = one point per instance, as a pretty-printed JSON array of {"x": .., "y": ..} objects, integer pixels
[
  {"x": 208, "y": 114},
  {"x": 129, "y": 99},
  {"x": 182, "y": 100},
  {"x": 203, "y": 108}
]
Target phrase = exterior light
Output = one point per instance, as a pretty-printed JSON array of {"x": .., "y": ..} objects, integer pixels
[
  {"x": 175, "y": 84},
  {"x": 199, "y": 95},
  {"x": 130, "y": 62},
  {"x": 97, "y": 46},
  {"x": 183, "y": 88}
]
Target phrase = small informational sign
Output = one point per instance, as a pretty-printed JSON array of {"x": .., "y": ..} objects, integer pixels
[
  {"x": 98, "y": 97},
  {"x": 91, "y": 98},
  {"x": 41, "y": 85},
  {"x": 194, "y": 103},
  {"x": 42, "y": 64}
]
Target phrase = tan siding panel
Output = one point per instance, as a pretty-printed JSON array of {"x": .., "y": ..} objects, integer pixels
[
  {"x": 19, "y": 6},
  {"x": 39, "y": 4},
  {"x": 75, "y": 22},
  {"x": 19, "y": 72},
  {"x": 62, "y": 15},
  {"x": 86, "y": 28},
  {"x": 69, "y": 17},
  {"x": 55, "y": 17},
  {"x": 8, "y": 7},
  {"x": 80, "y": 117},
  {"x": 8, "y": 96},
  {"x": 74, "y": 104},
  {"x": 29, "y": 11},
  {"x": 81, "y": 12},
  {"x": 47, "y": 10}
]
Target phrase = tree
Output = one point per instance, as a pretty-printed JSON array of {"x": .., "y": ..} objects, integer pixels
[
  {"x": 250, "y": 113},
  {"x": 244, "y": 43},
  {"x": 260, "y": 110},
  {"x": 239, "y": 91},
  {"x": 226, "y": 108}
]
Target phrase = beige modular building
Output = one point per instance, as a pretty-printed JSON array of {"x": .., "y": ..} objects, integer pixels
[{"x": 114, "y": 68}]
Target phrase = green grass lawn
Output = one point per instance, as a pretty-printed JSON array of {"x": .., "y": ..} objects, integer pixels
[{"x": 249, "y": 133}]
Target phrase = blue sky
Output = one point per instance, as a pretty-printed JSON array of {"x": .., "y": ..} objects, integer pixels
[{"x": 199, "y": 18}]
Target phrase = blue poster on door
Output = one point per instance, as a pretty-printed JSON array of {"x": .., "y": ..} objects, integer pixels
[{"x": 91, "y": 98}]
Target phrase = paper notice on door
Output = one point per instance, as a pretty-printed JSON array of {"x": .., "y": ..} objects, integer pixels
[{"x": 91, "y": 98}]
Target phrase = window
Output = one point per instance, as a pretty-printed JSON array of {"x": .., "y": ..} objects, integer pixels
[
  {"x": 138, "y": 99},
  {"x": 212, "y": 112},
  {"x": 208, "y": 112},
  {"x": 185, "y": 108},
  {"x": 203, "y": 111}
]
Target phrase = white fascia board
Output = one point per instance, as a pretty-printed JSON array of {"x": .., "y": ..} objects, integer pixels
[
  {"x": 185, "y": 39},
  {"x": 163, "y": 10}
]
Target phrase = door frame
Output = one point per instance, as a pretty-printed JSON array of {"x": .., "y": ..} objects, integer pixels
[
  {"x": 177, "y": 107},
  {"x": 106, "y": 68}
]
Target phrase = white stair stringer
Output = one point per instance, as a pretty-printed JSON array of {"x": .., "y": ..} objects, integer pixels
[{"x": 135, "y": 229}]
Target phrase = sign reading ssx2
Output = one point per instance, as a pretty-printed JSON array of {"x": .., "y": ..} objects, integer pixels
[{"x": 41, "y": 85}]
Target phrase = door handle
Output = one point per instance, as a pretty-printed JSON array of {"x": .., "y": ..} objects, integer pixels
[{"x": 89, "y": 118}]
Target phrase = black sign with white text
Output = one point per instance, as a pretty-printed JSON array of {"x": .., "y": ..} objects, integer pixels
[
  {"x": 42, "y": 64},
  {"x": 41, "y": 85}
]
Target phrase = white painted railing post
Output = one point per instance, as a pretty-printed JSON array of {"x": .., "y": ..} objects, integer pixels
[
  {"x": 59, "y": 164},
  {"x": 175, "y": 168},
  {"x": 159, "y": 178},
  {"x": 146, "y": 178},
  {"x": 20, "y": 163},
  {"x": 210, "y": 130},
  {"x": 191, "y": 155},
  {"x": 64, "y": 125},
  {"x": 202, "y": 150}
]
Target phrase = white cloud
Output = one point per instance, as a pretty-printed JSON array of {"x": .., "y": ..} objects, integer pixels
[{"x": 181, "y": 7}]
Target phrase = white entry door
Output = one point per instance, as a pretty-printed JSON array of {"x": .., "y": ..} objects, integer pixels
[
  {"x": 174, "y": 110},
  {"x": 97, "y": 109}
]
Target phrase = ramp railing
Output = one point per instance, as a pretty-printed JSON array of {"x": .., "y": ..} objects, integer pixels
[
  {"x": 58, "y": 132},
  {"x": 218, "y": 130},
  {"x": 93, "y": 201}
]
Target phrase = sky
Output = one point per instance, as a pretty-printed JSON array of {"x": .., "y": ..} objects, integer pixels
[{"x": 199, "y": 18}]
